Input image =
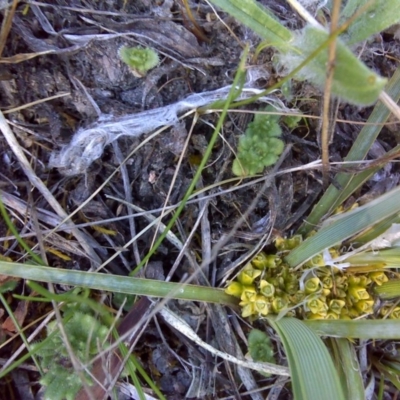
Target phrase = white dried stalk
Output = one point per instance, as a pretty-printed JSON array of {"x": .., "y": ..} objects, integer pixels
[{"x": 180, "y": 325}]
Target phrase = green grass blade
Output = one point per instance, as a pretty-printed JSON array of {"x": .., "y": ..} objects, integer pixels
[
  {"x": 347, "y": 364},
  {"x": 333, "y": 197},
  {"x": 388, "y": 290},
  {"x": 362, "y": 329},
  {"x": 114, "y": 283},
  {"x": 313, "y": 373},
  {"x": 346, "y": 225},
  {"x": 233, "y": 93}
]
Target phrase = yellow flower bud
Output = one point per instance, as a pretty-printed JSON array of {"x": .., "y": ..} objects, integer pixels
[
  {"x": 327, "y": 282},
  {"x": 262, "y": 305},
  {"x": 279, "y": 304},
  {"x": 336, "y": 306},
  {"x": 354, "y": 280},
  {"x": 312, "y": 316},
  {"x": 358, "y": 293},
  {"x": 378, "y": 277},
  {"x": 395, "y": 314},
  {"x": 249, "y": 294},
  {"x": 248, "y": 274},
  {"x": 280, "y": 243},
  {"x": 297, "y": 297},
  {"x": 291, "y": 286},
  {"x": 316, "y": 261},
  {"x": 263, "y": 261},
  {"x": 364, "y": 280},
  {"x": 340, "y": 293},
  {"x": 331, "y": 315},
  {"x": 325, "y": 292},
  {"x": 341, "y": 282},
  {"x": 247, "y": 309},
  {"x": 317, "y": 306},
  {"x": 234, "y": 289},
  {"x": 365, "y": 306},
  {"x": 266, "y": 288},
  {"x": 294, "y": 241},
  {"x": 312, "y": 285}
]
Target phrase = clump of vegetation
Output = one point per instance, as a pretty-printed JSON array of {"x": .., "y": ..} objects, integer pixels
[
  {"x": 139, "y": 60},
  {"x": 267, "y": 285},
  {"x": 260, "y": 346},
  {"x": 86, "y": 336},
  {"x": 260, "y": 146}
]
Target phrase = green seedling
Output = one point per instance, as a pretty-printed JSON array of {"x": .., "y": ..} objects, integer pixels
[
  {"x": 86, "y": 336},
  {"x": 260, "y": 146},
  {"x": 139, "y": 60},
  {"x": 260, "y": 347}
]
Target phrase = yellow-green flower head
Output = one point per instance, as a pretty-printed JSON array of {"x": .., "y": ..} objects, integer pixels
[
  {"x": 312, "y": 285},
  {"x": 248, "y": 274},
  {"x": 249, "y": 294},
  {"x": 378, "y": 277},
  {"x": 266, "y": 288},
  {"x": 279, "y": 304},
  {"x": 317, "y": 306},
  {"x": 263, "y": 261},
  {"x": 358, "y": 292},
  {"x": 336, "y": 306},
  {"x": 261, "y": 305},
  {"x": 341, "y": 282},
  {"x": 298, "y": 297},
  {"x": 247, "y": 309},
  {"x": 365, "y": 280},
  {"x": 291, "y": 285},
  {"x": 280, "y": 243},
  {"x": 283, "y": 244},
  {"x": 365, "y": 306},
  {"x": 331, "y": 315},
  {"x": 234, "y": 289},
  {"x": 294, "y": 241},
  {"x": 317, "y": 316},
  {"x": 316, "y": 261},
  {"x": 327, "y": 282},
  {"x": 395, "y": 314}
]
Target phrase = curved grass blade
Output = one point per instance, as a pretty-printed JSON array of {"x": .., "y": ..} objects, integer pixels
[
  {"x": 346, "y": 225},
  {"x": 313, "y": 373},
  {"x": 349, "y": 369}
]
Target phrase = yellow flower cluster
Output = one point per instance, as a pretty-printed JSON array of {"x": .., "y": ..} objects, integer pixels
[{"x": 267, "y": 285}]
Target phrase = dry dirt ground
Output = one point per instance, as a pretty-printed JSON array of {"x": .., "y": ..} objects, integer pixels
[{"x": 60, "y": 73}]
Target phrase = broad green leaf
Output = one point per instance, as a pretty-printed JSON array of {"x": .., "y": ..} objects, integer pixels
[
  {"x": 114, "y": 283},
  {"x": 313, "y": 373},
  {"x": 346, "y": 225},
  {"x": 378, "y": 16},
  {"x": 357, "y": 329},
  {"x": 353, "y": 81}
]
